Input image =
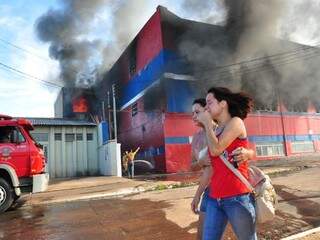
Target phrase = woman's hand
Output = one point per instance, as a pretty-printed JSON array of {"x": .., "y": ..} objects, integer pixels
[
  {"x": 204, "y": 162},
  {"x": 241, "y": 154},
  {"x": 195, "y": 203},
  {"x": 205, "y": 119}
]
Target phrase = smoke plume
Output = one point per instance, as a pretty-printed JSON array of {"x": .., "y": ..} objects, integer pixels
[
  {"x": 253, "y": 56},
  {"x": 66, "y": 30},
  {"x": 243, "y": 30}
]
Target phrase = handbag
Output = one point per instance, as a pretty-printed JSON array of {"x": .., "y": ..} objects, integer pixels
[{"x": 261, "y": 187}]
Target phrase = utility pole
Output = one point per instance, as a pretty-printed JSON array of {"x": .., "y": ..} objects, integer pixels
[
  {"x": 103, "y": 112},
  {"x": 109, "y": 116},
  {"x": 282, "y": 124},
  {"x": 114, "y": 111}
]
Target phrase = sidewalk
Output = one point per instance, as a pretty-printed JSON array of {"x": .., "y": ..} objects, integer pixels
[
  {"x": 312, "y": 234},
  {"x": 66, "y": 190}
]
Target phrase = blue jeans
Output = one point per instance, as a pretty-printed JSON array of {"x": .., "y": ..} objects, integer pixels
[
  {"x": 204, "y": 200},
  {"x": 238, "y": 210},
  {"x": 130, "y": 168}
]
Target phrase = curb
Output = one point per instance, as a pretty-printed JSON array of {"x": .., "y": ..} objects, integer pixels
[
  {"x": 116, "y": 193},
  {"x": 302, "y": 234},
  {"x": 120, "y": 192}
]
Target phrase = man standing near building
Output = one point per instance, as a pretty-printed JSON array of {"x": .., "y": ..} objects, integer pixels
[
  {"x": 130, "y": 157},
  {"x": 125, "y": 162}
]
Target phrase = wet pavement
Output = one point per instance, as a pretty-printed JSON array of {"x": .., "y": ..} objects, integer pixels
[
  {"x": 98, "y": 219},
  {"x": 158, "y": 214}
]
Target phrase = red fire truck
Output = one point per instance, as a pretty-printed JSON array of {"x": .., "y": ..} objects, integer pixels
[{"x": 22, "y": 161}]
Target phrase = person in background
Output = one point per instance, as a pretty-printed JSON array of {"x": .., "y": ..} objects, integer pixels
[
  {"x": 199, "y": 152},
  {"x": 125, "y": 162},
  {"x": 131, "y": 155},
  {"x": 229, "y": 199}
]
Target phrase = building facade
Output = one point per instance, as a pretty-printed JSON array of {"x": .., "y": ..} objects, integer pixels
[
  {"x": 71, "y": 147},
  {"x": 155, "y": 83}
]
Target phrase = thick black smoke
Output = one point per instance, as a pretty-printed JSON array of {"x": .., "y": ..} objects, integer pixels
[
  {"x": 247, "y": 29},
  {"x": 249, "y": 36},
  {"x": 66, "y": 31}
]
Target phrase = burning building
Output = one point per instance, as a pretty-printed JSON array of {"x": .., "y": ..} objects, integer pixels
[
  {"x": 173, "y": 60},
  {"x": 75, "y": 103}
]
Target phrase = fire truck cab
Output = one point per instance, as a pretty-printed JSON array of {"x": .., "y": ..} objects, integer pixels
[{"x": 22, "y": 161}]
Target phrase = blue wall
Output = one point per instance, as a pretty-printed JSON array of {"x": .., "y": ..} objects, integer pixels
[{"x": 165, "y": 61}]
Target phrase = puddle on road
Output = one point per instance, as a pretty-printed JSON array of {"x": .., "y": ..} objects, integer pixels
[
  {"x": 308, "y": 209},
  {"x": 138, "y": 219},
  {"x": 286, "y": 224},
  {"x": 98, "y": 219}
]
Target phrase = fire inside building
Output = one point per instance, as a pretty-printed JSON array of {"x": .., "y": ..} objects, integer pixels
[{"x": 171, "y": 62}]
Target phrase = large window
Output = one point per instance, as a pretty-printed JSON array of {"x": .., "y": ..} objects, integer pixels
[
  {"x": 79, "y": 136},
  {"x": 302, "y": 146},
  {"x": 89, "y": 136},
  {"x": 69, "y": 137},
  {"x": 40, "y": 137},
  {"x": 57, "y": 136},
  {"x": 270, "y": 149},
  {"x": 134, "y": 109}
]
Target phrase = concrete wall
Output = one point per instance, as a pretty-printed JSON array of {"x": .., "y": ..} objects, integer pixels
[{"x": 58, "y": 105}]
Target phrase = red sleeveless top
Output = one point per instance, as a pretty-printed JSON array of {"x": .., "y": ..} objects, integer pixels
[{"x": 224, "y": 183}]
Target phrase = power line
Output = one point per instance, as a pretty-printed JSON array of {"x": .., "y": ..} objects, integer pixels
[
  {"x": 268, "y": 57},
  {"x": 33, "y": 54},
  {"x": 263, "y": 67},
  {"x": 23, "y": 49},
  {"x": 28, "y": 75}
]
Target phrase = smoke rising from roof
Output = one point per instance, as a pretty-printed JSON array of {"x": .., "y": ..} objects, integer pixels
[
  {"x": 66, "y": 29},
  {"x": 247, "y": 29},
  {"x": 251, "y": 31}
]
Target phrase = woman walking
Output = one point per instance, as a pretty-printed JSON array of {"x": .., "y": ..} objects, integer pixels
[
  {"x": 201, "y": 161},
  {"x": 230, "y": 200}
]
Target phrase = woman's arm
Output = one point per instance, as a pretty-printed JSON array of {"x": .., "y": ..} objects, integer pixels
[
  {"x": 203, "y": 183},
  {"x": 195, "y": 166}
]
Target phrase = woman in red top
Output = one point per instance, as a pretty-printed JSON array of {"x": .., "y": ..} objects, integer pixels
[
  {"x": 200, "y": 154},
  {"x": 230, "y": 200}
]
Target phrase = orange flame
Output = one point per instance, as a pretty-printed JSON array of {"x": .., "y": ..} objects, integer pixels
[{"x": 80, "y": 105}]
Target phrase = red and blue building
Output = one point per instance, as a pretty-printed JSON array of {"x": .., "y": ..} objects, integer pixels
[{"x": 155, "y": 90}]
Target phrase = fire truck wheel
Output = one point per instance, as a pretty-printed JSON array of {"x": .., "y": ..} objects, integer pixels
[{"x": 6, "y": 195}]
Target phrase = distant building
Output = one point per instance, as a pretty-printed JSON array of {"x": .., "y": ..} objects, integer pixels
[{"x": 71, "y": 147}]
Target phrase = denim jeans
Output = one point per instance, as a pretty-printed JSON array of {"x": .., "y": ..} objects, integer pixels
[
  {"x": 130, "y": 169},
  {"x": 238, "y": 210},
  {"x": 204, "y": 200}
]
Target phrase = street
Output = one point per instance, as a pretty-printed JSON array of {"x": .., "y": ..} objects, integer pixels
[{"x": 158, "y": 214}]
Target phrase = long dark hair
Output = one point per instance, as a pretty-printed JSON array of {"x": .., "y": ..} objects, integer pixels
[
  {"x": 200, "y": 101},
  {"x": 239, "y": 103}
]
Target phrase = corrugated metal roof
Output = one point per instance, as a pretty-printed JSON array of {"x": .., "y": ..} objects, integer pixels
[{"x": 59, "y": 122}]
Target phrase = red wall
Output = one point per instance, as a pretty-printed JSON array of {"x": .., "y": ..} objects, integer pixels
[
  {"x": 264, "y": 124},
  {"x": 149, "y": 41},
  {"x": 178, "y": 156},
  {"x": 180, "y": 126},
  {"x": 142, "y": 130},
  {"x": 148, "y": 45}
]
